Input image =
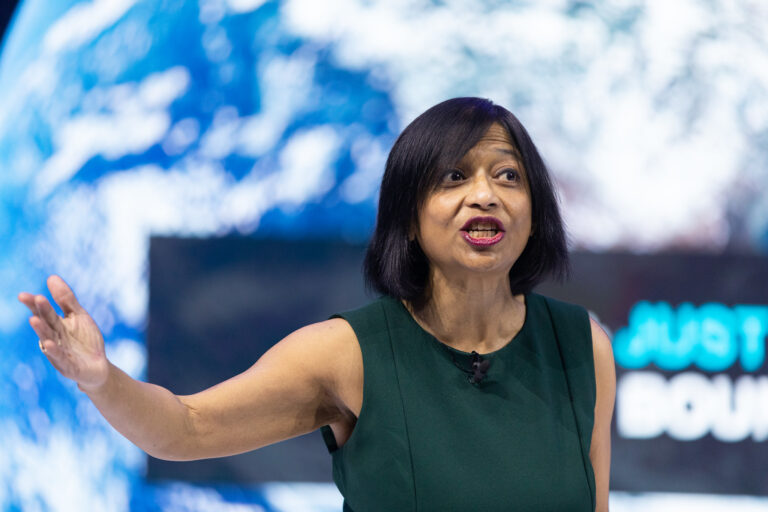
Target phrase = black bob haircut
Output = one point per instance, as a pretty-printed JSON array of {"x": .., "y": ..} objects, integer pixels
[{"x": 434, "y": 142}]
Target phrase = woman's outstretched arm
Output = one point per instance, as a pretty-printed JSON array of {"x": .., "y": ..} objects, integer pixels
[{"x": 303, "y": 382}]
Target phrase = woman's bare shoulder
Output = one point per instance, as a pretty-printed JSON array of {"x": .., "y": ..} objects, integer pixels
[
  {"x": 332, "y": 331},
  {"x": 605, "y": 381},
  {"x": 601, "y": 348},
  {"x": 330, "y": 351},
  {"x": 330, "y": 343}
]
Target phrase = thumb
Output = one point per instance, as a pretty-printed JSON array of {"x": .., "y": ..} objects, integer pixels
[{"x": 63, "y": 295}]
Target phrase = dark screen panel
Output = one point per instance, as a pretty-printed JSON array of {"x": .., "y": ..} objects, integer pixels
[{"x": 216, "y": 305}]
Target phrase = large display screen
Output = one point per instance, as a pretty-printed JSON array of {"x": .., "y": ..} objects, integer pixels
[{"x": 692, "y": 386}]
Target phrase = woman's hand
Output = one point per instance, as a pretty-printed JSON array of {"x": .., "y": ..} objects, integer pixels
[{"x": 73, "y": 344}]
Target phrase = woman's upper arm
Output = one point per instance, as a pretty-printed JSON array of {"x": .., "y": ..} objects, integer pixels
[
  {"x": 605, "y": 380},
  {"x": 301, "y": 383}
]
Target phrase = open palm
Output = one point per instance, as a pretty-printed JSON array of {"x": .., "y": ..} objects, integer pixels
[{"x": 73, "y": 344}]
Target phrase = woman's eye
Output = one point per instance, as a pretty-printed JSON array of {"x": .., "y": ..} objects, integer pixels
[
  {"x": 453, "y": 175},
  {"x": 509, "y": 175}
]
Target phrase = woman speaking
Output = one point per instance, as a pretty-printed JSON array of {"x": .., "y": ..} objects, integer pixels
[{"x": 458, "y": 389}]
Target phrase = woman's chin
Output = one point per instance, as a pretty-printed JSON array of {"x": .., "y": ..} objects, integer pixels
[{"x": 484, "y": 267}]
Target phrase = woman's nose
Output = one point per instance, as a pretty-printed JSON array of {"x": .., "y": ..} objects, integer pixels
[{"x": 481, "y": 193}]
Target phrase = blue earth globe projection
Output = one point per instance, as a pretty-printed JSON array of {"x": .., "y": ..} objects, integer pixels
[{"x": 125, "y": 119}]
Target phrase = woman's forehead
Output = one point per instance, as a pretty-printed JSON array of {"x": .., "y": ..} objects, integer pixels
[
  {"x": 498, "y": 134},
  {"x": 497, "y": 137}
]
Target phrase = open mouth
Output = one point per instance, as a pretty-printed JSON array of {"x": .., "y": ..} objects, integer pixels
[{"x": 483, "y": 230}]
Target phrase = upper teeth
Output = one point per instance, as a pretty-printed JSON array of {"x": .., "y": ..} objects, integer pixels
[{"x": 483, "y": 226}]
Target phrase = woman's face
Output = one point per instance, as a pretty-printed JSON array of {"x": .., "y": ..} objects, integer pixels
[{"x": 478, "y": 219}]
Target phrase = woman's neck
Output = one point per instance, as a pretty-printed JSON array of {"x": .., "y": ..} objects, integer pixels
[{"x": 471, "y": 313}]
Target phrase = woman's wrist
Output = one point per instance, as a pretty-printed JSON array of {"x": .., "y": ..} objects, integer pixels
[{"x": 98, "y": 387}]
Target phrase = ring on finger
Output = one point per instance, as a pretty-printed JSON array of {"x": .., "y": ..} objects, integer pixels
[{"x": 40, "y": 342}]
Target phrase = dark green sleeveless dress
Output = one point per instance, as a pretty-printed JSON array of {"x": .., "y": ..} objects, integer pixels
[{"x": 427, "y": 439}]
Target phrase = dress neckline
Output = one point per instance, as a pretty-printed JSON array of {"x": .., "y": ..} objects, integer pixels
[{"x": 510, "y": 343}]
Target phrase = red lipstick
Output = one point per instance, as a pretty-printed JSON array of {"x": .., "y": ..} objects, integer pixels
[{"x": 485, "y": 226}]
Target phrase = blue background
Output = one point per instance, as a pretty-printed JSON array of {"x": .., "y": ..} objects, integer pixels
[{"x": 124, "y": 119}]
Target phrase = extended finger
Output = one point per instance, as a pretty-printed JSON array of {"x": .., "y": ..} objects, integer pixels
[
  {"x": 28, "y": 300},
  {"x": 48, "y": 314},
  {"x": 63, "y": 295},
  {"x": 42, "y": 329}
]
